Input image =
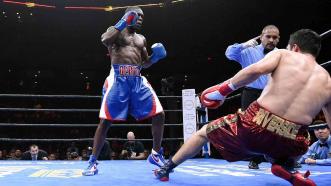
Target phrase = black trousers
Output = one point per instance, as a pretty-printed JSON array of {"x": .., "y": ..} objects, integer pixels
[{"x": 248, "y": 96}]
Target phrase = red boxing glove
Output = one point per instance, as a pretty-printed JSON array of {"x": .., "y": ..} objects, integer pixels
[
  {"x": 214, "y": 96},
  {"x": 211, "y": 104}
]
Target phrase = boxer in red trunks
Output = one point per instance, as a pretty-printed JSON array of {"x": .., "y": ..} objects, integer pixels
[{"x": 275, "y": 125}]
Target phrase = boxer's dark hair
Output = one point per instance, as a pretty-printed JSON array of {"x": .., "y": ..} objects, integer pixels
[{"x": 307, "y": 40}]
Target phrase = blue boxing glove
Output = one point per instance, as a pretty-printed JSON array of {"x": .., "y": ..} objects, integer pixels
[
  {"x": 129, "y": 19},
  {"x": 159, "y": 52}
]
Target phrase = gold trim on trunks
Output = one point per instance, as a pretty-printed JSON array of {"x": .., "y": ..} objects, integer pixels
[
  {"x": 276, "y": 124},
  {"x": 226, "y": 120},
  {"x": 241, "y": 111}
]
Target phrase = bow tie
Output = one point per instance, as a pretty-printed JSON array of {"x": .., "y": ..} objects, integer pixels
[{"x": 324, "y": 145}]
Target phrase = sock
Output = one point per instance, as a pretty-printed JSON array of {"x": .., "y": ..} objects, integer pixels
[
  {"x": 92, "y": 159},
  {"x": 157, "y": 153},
  {"x": 171, "y": 165}
]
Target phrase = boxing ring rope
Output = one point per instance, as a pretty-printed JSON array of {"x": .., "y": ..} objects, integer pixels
[
  {"x": 325, "y": 64},
  {"x": 79, "y": 125},
  {"x": 62, "y": 110},
  {"x": 75, "y": 96},
  {"x": 65, "y": 96},
  {"x": 71, "y": 125},
  {"x": 199, "y": 121},
  {"x": 80, "y": 139}
]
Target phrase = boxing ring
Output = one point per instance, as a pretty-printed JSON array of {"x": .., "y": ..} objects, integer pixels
[{"x": 194, "y": 172}]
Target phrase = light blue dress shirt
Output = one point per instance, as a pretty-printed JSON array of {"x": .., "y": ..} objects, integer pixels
[
  {"x": 322, "y": 153},
  {"x": 246, "y": 57}
]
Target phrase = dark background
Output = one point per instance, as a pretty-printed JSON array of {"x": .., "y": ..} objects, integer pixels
[
  {"x": 62, "y": 47},
  {"x": 58, "y": 51}
]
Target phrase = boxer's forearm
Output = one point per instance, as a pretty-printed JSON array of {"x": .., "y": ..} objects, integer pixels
[
  {"x": 147, "y": 64},
  {"x": 244, "y": 77},
  {"x": 110, "y": 36},
  {"x": 265, "y": 66},
  {"x": 159, "y": 53}
]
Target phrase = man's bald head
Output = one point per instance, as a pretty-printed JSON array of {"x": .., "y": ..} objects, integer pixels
[{"x": 130, "y": 136}]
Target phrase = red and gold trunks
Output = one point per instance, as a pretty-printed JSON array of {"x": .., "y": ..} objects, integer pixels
[{"x": 257, "y": 131}]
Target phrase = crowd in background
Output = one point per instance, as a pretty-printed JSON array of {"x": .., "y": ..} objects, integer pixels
[{"x": 129, "y": 150}]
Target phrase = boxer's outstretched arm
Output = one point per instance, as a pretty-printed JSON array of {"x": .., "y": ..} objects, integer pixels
[
  {"x": 327, "y": 113},
  {"x": 265, "y": 66},
  {"x": 110, "y": 36}
]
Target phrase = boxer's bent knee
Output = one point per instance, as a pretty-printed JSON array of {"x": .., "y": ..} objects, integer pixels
[{"x": 202, "y": 132}]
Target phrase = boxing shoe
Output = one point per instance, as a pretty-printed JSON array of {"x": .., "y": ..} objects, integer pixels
[
  {"x": 295, "y": 178},
  {"x": 156, "y": 158},
  {"x": 253, "y": 165},
  {"x": 163, "y": 173},
  {"x": 92, "y": 168}
]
